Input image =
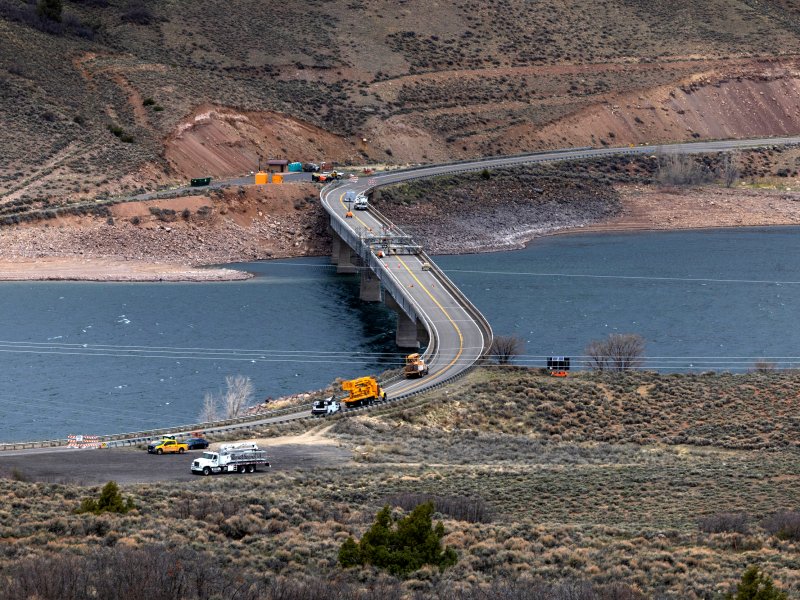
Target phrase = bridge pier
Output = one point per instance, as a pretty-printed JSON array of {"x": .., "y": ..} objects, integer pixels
[
  {"x": 407, "y": 327},
  {"x": 344, "y": 264},
  {"x": 370, "y": 286},
  {"x": 336, "y": 243}
]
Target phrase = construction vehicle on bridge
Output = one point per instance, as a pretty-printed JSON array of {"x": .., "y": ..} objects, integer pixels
[
  {"x": 415, "y": 366},
  {"x": 363, "y": 391}
]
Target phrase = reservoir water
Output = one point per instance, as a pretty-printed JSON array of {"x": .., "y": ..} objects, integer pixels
[{"x": 92, "y": 358}]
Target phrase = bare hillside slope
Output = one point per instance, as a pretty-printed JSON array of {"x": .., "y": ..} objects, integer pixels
[{"x": 95, "y": 103}]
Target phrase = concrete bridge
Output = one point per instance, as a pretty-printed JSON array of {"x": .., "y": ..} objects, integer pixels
[{"x": 430, "y": 308}]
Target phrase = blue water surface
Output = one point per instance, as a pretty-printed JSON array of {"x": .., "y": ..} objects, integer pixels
[{"x": 717, "y": 299}]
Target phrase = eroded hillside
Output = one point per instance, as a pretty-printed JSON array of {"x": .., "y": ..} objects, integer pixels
[{"x": 101, "y": 102}]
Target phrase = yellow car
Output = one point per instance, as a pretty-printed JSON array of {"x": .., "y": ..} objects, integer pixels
[{"x": 167, "y": 446}]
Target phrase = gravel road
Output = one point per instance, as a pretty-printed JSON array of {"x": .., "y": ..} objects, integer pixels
[{"x": 131, "y": 465}]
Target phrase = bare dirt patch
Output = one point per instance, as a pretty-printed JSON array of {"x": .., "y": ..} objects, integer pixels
[
  {"x": 221, "y": 141},
  {"x": 701, "y": 208},
  {"x": 314, "y": 437}
]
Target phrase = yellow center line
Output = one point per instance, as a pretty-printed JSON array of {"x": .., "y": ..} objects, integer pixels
[
  {"x": 356, "y": 218},
  {"x": 446, "y": 314}
]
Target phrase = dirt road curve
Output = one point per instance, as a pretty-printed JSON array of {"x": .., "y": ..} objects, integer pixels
[{"x": 131, "y": 465}]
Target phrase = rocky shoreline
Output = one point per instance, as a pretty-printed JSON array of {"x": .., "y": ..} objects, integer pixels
[{"x": 96, "y": 251}]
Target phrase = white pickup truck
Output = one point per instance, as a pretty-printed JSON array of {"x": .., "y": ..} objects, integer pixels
[
  {"x": 325, "y": 407},
  {"x": 231, "y": 458}
]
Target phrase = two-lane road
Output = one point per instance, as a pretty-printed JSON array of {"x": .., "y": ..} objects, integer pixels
[{"x": 459, "y": 338}]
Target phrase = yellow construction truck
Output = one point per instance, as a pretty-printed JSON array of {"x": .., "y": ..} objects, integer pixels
[
  {"x": 415, "y": 366},
  {"x": 363, "y": 391}
]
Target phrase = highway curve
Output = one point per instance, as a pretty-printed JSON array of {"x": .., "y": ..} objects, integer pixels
[
  {"x": 460, "y": 334},
  {"x": 459, "y": 337}
]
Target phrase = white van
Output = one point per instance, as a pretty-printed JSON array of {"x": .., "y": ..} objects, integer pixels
[{"x": 361, "y": 202}]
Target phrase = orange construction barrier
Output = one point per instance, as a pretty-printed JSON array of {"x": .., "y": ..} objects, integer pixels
[{"x": 262, "y": 178}]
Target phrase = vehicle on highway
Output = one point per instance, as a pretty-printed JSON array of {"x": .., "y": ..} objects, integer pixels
[
  {"x": 167, "y": 446},
  {"x": 196, "y": 443},
  {"x": 327, "y": 176},
  {"x": 426, "y": 266},
  {"x": 245, "y": 457},
  {"x": 415, "y": 366},
  {"x": 363, "y": 391},
  {"x": 310, "y": 167},
  {"x": 328, "y": 406},
  {"x": 361, "y": 202}
]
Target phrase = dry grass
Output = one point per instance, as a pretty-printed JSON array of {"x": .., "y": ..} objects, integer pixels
[
  {"x": 140, "y": 76},
  {"x": 670, "y": 519}
]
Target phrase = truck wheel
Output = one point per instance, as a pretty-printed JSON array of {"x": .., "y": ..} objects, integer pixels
[
  {"x": 159, "y": 451},
  {"x": 251, "y": 468},
  {"x": 242, "y": 469},
  {"x": 181, "y": 451},
  {"x": 206, "y": 471}
]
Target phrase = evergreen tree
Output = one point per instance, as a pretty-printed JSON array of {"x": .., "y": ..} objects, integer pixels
[
  {"x": 50, "y": 9},
  {"x": 110, "y": 500},
  {"x": 756, "y": 585},
  {"x": 403, "y": 549}
]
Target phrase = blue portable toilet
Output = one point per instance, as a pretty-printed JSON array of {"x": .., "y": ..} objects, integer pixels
[{"x": 295, "y": 167}]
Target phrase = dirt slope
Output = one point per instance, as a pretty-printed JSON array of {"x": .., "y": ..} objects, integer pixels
[
  {"x": 223, "y": 142},
  {"x": 760, "y": 100}
]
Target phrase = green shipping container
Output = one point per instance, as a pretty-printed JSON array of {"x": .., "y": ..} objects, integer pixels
[
  {"x": 295, "y": 167},
  {"x": 199, "y": 181}
]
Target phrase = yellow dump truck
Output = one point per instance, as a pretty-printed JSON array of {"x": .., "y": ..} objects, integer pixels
[
  {"x": 363, "y": 391},
  {"x": 415, "y": 366}
]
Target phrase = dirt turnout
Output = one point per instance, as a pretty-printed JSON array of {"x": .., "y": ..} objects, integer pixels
[{"x": 135, "y": 465}]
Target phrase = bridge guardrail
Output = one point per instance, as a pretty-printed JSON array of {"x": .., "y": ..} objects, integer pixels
[
  {"x": 137, "y": 437},
  {"x": 347, "y": 234},
  {"x": 452, "y": 288}
]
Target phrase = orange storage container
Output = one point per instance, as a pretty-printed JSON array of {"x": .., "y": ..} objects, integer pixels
[{"x": 262, "y": 178}]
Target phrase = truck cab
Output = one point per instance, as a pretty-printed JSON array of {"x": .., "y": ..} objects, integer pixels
[
  {"x": 415, "y": 366},
  {"x": 361, "y": 202}
]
